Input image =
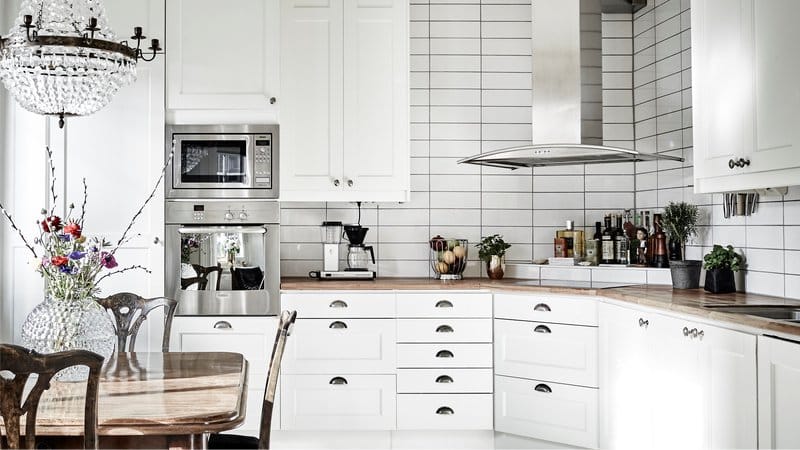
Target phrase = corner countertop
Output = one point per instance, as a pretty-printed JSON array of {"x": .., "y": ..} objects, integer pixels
[{"x": 688, "y": 301}]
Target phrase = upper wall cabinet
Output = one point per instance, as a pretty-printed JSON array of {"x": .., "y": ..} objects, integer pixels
[
  {"x": 344, "y": 111},
  {"x": 745, "y": 94},
  {"x": 222, "y": 61}
]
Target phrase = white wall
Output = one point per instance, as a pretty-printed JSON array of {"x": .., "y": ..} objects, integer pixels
[{"x": 769, "y": 239}]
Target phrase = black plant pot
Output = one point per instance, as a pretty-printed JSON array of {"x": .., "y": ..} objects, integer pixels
[{"x": 720, "y": 281}]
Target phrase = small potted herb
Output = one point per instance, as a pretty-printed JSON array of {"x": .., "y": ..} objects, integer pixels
[
  {"x": 492, "y": 249},
  {"x": 720, "y": 263},
  {"x": 680, "y": 222}
]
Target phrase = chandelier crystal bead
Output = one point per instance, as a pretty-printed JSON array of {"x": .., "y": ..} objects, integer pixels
[{"x": 63, "y": 59}]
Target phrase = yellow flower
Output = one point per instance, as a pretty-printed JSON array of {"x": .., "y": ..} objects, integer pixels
[{"x": 81, "y": 240}]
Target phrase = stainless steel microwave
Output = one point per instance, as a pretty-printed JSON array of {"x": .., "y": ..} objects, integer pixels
[{"x": 222, "y": 161}]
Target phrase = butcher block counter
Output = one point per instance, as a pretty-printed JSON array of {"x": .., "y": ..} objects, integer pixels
[{"x": 694, "y": 302}]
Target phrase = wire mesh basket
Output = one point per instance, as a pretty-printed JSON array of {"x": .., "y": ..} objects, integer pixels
[{"x": 448, "y": 257}]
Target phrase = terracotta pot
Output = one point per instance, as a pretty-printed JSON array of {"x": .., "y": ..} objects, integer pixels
[{"x": 496, "y": 267}]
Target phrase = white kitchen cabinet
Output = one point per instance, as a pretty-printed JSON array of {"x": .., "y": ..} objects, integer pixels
[
  {"x": 444, "y": 412},
  {"x": 778, "y": 393},
  {"x": 338, "y": 402},
  {"x": 345, "y": 105},
  {"x": 340, "y": 304},
  {"x": 661, "y": 373},
  {"x": 548, "y": 411},
  {"x": 744, "y": 94},
  {"x": 419, "y": 356},
  {"x": 253, "y": 337},
  {"x": 444, "y": 330},
  {"x": 222, "y": 61}
]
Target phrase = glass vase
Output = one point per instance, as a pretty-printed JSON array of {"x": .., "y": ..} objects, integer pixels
[
  {"x": 57, "y": 325},
  {"x": 496, "y": 267}
]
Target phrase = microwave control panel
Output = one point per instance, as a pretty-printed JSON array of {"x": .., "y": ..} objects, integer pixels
[{"x": 262, "y": 167}]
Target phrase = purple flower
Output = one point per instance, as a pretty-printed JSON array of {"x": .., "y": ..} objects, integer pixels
[
  {"x": 107, "y": 260},
  {"x": 94, "y": 249},
  {"x": 77, "y": 255},
  {"x": 65, "y": 237},
  {"x": 45, "y": 261},
  {"x": 65, "y": 269}
]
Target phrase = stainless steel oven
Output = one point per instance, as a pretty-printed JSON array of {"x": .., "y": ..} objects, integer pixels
[
  {"x": 222, "y": 257},
  {"x": 223, "y": 161}
]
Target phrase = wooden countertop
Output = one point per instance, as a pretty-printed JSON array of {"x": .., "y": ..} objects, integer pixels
[{"x": 686, "y": 301}]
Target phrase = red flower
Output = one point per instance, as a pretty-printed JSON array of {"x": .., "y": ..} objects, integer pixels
[
  {"x": 51, "y": 223},
  {"x": 59, "y": 260},
  {"x": 74, "y": 229}
]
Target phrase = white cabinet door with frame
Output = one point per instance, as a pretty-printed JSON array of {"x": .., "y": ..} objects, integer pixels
[
  {"x": 778, "y": 393},
  {"x": 222, "y": 64}
]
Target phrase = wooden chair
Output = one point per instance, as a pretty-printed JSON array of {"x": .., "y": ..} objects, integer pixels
[
  {"x": 22, "y": 363},
  {"x": 232, "y": 441},
  {"x": 124, "y": 306}
]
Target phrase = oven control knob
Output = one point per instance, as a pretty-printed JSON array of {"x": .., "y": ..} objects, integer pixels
[
  {"x": 242, "y": 215},
  {"x": 228, "y": 215}
]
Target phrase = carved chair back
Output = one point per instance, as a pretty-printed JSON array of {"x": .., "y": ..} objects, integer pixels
[
  {"x": 23, "y": 363},
  {"x": 131, "y": 310}
]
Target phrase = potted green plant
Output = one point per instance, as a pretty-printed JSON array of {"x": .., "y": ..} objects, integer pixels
[
  {"x": 492, "y": 249},
  {"x": 680, "y": 222},
  {"x": 720, "y": 263}
]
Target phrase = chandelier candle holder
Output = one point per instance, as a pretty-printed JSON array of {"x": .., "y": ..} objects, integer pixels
[{"x": 63, "y": 59}]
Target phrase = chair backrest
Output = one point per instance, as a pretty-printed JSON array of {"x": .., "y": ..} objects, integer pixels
[
  {"x": 22, "y": 363},
  {"x": 131, "y": 310},
  {"x": 204, "y": 272},
  {"x": 285, "y": 320},
  {"x": 247, "y": 278}
]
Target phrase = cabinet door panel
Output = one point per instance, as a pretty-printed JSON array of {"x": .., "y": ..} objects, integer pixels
[
  {"x": 444, "y": 381},
  {"x": 360, "y": 402},
  {"x": 328, "y": 305},
  {"x": 376, "y": 154},
  {"x": 778, "y": 393},
  {"x": 777, "y": 91},
  {"x": 573, "y": 310},
  {"x": 205, "y": 71},
  {"x": 552, "y": 352},
  {"x": 341, "y": 345},
  {"x": 444, "y": 304},
  {"x": 444, "y": 412},
  {"x": 550, "y": 411},
  {"x": 311, "y": 110}
]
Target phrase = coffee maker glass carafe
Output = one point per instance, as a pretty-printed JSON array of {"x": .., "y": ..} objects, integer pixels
[{"x": 357, "y": 258}]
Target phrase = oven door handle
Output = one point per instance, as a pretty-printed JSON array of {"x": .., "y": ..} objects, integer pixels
[{"x": 230, "y": 229}]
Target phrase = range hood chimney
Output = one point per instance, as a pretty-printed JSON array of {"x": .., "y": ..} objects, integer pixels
[{"x": 567, "y": 110}]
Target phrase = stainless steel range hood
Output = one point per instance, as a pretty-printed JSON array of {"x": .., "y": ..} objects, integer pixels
[{"x": 567, "y": 110}]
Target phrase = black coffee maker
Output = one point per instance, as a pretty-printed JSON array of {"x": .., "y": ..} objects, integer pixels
[{"x": 357, "y": 260}]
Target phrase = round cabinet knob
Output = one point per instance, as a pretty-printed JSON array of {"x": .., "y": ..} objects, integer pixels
[
  {"x": 731, "y": 163},
  {"x": 228, "y": 215},
  {"x": 242, "y": 215},
  {"x": 156, "y": 240},
  {"x": 349, "y": 183},
  {"x": 336, "y": 183},
  {"x": 272, "y": 100}
]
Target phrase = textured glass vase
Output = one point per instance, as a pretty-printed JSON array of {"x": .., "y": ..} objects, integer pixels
[{"x": 58, "y": 325}]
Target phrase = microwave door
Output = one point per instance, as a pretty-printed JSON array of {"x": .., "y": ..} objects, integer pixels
[{"x": 212, "y": 162}]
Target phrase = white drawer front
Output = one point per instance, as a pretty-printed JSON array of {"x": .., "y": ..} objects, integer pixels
[
  {"x": 341, "y": 345},
  {"x": 338, "y": 304},
  {"x": 253, "y": 337},
  {"x": 444, "y": 304},
  {"x": 575, "y": 310},
  {"x": 444, "y": 330},
  {"x": 552, "y": 352},
  {"x": 566, "y": 414},
  {"x": 312, "y": 402},
  {"x": 413, "y": 356},
  {"x": 444, "y": 381},
  {"x": 444, "y": 412}
]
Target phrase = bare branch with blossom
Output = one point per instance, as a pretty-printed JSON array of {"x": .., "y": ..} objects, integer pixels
[
  {"x": 19, "y": 232},
  {"x": 52, "y": 179},
  {"x": 134, "y": 267},
  {"x": 85, "y": 197}
]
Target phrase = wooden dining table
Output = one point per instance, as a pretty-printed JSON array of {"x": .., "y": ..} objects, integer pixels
[{"x": 150, "y": 400}]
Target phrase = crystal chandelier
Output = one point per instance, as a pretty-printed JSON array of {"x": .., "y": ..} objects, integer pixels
[{"x": 64, "y": 60}]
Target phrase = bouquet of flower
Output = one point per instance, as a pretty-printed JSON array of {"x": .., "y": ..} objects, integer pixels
[
  {"x": 231, "y": 244},
  {"x": 189, "y": 245},
  {"x": 70, "y": 262}
]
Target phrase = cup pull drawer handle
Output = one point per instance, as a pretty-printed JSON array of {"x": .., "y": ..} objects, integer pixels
[
  {"x": 337, "y": 325},
  {"x": 338, "y": 304},
  {"x": 338, "y": 380},
  {"x": 444, "y": 304},
  {"x": 445, "y": 411},
  {"x": 542, "y": 307},
  {"x": 542, "y": 329},
  {"x": 444, "y": 354},
  {"x": 444, "y": 329},
  {"x": 223, "y": 325},
  {"x": 444, "y": 379},
  {"x": 543, "y": 388}
]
